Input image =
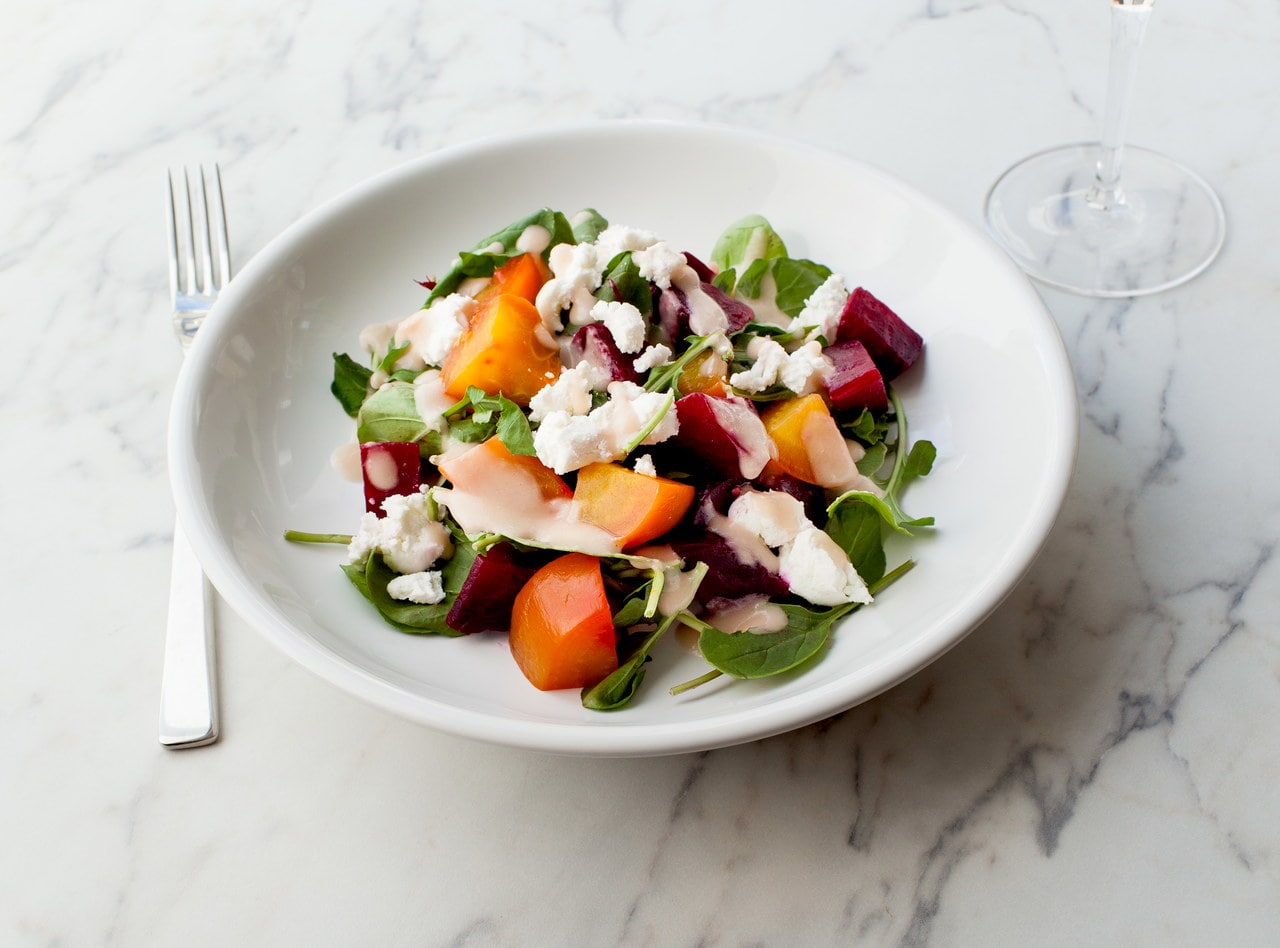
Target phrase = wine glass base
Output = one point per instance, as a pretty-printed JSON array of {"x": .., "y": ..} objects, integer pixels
[{"x": 1167, "y": 228}]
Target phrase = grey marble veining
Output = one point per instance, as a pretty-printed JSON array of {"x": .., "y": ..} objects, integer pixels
[{"x": 1096, "y": 763}]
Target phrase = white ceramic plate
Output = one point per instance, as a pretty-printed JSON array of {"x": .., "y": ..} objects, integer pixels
[{"x": 254, "y": 424}]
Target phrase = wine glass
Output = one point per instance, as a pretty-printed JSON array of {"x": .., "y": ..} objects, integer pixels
[{"x": 1102, "y": 218}]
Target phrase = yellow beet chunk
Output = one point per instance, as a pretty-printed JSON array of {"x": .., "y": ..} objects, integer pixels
[
  {"x": 501, "y": 351},
  {"x": 635, "y": 508}
]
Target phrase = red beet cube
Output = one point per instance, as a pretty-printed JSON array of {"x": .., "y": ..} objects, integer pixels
[
  {"x": 854, "y": 382},
  {"x": 893, "y": 345},
  {"x": 485, "y": 599},
  {"x": 594, "y": 344},
  {"x": 389, "y": 468}
]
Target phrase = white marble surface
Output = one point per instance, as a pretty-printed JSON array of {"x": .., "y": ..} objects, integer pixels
[{"x": 1096, "y": 764}]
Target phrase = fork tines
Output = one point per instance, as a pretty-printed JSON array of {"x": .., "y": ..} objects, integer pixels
[{"x": 200, "y": 237}]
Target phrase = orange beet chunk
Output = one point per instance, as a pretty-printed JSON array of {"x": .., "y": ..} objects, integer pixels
[
  {"x": 808, "y": 441},
  {"x": 562, "y": 632},
  {"x": 502, "y": 351},
  {"x": 633, "y": 507},
  {"x": 491, "y": 469},
  {"x": 520, "y": 276}
]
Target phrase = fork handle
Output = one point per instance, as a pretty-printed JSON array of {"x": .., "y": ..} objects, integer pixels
[{"x": 188, "y": 692}]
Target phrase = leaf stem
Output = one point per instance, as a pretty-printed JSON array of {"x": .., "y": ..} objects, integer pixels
[
  {"x": 301, "y": 536},
  {"x": 695, "y": 682}
]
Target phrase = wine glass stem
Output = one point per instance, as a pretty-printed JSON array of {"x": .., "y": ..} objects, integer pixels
[{"x": 1128, "y": 25}]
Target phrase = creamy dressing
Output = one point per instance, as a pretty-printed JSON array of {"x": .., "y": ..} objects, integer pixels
[
  {"x": 746, "y": 544},
  {"x": 754, "y": 613},
  {"x": 828, "y": 454},
  {"x": 746, "y": 430},
  {"x": 376, "y": 339},
  {"x": 380, "y": 469},
  {"x": 533, "y": 239},
  {"x": 345, "y": 460},
  {"x": 430, "y": 399},
  {"x": 520, "y": 512},
  {"x": 766, "y": 306},
  {"x": 705, "y": 314}
]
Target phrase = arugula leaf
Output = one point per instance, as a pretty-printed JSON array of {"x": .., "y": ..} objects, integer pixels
[
  {"x": 481, "y": 261},
  {"x": 390, "y": 414},
  {"x": 394, "y": 352},
  {"x": 350, "y": 382},
  {"x": 762, "y": 654},
  {"x": 622, "y": 281},
  {"x": 491, "y": 415},
  {"x": 796, "y": 280},
  {"x": 745, "y": 240},
  {"x": 587, "y": 225},
  {"x": 908, "y": 464},
  {"x": 416, "y": 617}
]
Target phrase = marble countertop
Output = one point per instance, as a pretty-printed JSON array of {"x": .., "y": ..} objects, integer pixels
[{"x": 1097, "y": 763}]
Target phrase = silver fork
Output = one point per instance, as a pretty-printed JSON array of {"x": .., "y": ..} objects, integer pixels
[{"x": 188, "y": 690}]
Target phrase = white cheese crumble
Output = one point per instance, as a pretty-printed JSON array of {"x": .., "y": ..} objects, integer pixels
[
  {"x": 618, "y": 238},
  {"x": 659, "y": 263},
  {"x": 625, "y": 323},
  {"x": 644, "y": 465},
  {"x": 769, "y": 358},
  {"x": 774, "y": 515},
  {"x": 570, "y": 392},
  {"x": 821, "y": 312},
  {"x": 407, "y": 536},
  {"x": 806, "y": 369},
  {"x": 652, "y": 357},
  {"x": 565, "y": 442},
  {"x": 817, "y": 569},
  {"x": 575, "y": 274},
  {"x": 424, "y": 588},
  {"x": 802, "y": 371},
  {"x": 431, "y": 332}
]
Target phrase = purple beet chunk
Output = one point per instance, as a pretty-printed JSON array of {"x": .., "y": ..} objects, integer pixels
[
  {"x": 727, "y": 576},
  {"x": 854, "y": 381},
  {"x": 672, "y": 309},
  {"x": 737, "y": 312},
  {"x": 710, "y": 429},
  {"x": 705, "y": 273},
  {"x": 717, "y": 497},
  {"x": 893, "y": 345},
  {"x": 388, "y": 468},
  {"x": 595, "y": 344},
  {"x": 484, "y": 602}
]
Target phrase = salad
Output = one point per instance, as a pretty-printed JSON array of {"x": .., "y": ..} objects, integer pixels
[{"x": 586, "y": 439}]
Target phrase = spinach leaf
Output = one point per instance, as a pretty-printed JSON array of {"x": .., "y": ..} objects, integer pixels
[
  {"x": 355, "y": 573},
  {"x": 725, "y": 281},
  {"x": 412, "y": 616},
  {"x": 762, "y": 654},
  {"x": 481, "y": 261},
  {"x": 858, "y": 530},
  {"x": 748, "y": 239},
  {"x": 621, "y": 685},
  {"x": 350, "y": 382},
  {"x": 390, "y": 414},
  {"x": 796, "y": 280},
  {"x": 588, "y": 224},
  {"x": 752, "y": 281}
]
